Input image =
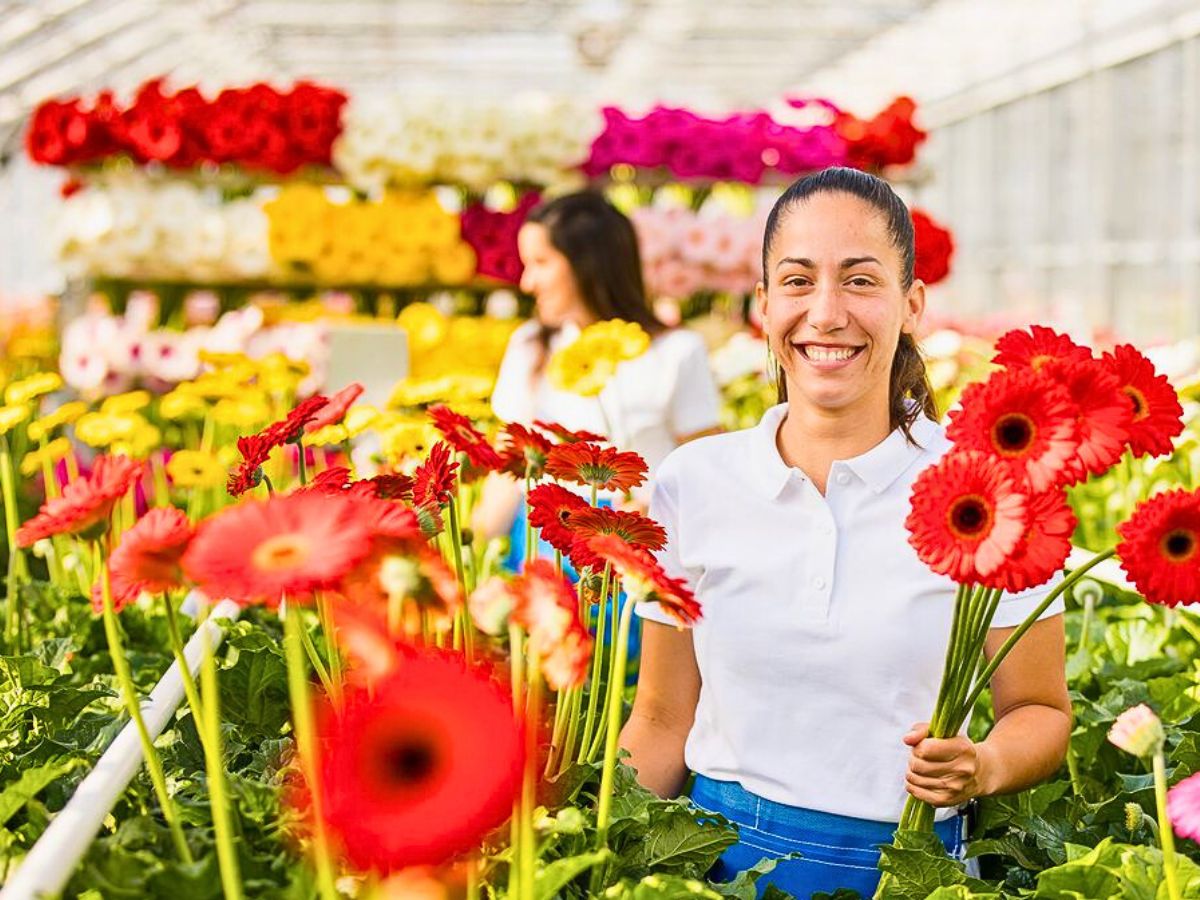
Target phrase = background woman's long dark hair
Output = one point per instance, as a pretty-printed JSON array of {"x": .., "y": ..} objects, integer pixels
[{"x": 600, "y": 244}]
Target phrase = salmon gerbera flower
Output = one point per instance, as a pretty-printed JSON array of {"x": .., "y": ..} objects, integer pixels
[
  {"x": 334, "y": 410},
  {"x": 1022, "y": 418},
  {"x": 967, "y": 516},
  {"x": 1183, "y": 807},
  {"x": 645, "y": 580},
  {"x": 85, "y": 503},
  {"x": 546, "y": 607},
  {"x": 148, "y": 557},
  {"x": 1043, "y": 549},
  {"x": 292, "y": 544},
  {"x": 1036, "y": 348},
  {"x": 1104, "y": 417}
]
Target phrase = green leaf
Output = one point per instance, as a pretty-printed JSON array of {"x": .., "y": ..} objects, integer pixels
[
  {"x": 744, "y": 886},
  {"x": 556, "y": 876},
  {"x": 253, "y": 684},
  {"x": 678, "y": 842},
  {"x": 661, "y": 887},
  {"x": 918, "y": 865},
  {"x": 31, "y": 782}
]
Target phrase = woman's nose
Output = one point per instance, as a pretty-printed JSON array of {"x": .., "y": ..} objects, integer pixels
[{"x": 827, "y": 308}]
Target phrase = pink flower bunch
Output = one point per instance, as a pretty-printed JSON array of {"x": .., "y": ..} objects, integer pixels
[
  {"x": 741, "y": 147},
  {"x": 684, "y": 252}
]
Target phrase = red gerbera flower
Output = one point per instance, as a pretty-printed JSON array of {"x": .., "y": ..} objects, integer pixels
[
  {"x": 463, "y": 437},
  {"x": 255, "y": 450},
  {"x": 1035, "y": 348},
  {"x": 407, "y": 569},
  {"x": 644, "y": 579},
  {"x": 967, "y": 516},
  {"x": 566, "y": 664},
  {"x": 334, "y": 480},
  {"x": 525, "y": 451},
  {"x": 605, "y": 468},
  {"x": 85, "y": 503},
  {"x": 1043, "y": 549},
  {"x": 551, "y": 507},
  {"x": 405, "y": 779},
  {"x": 290, "y": 428},
  {"x": 291, "y": 544},
  {"x": 434, "y": 478},
  {"x": 335, "y": 407},
  {"x": 1160, "y": 548},
  {"x": 1157, "y": 415},
  {"x": 632, "y": 527},
  {"x": 1105, "y": 414},
  {"x": 148, "y": 557},
  {"x": 565, "y": 435},
  {"x": 392, "y": 485},
  {"x": 1022, "y": 418}
]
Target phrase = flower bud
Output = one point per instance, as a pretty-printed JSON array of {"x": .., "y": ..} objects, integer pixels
[{"x": 1138, "y": 731}]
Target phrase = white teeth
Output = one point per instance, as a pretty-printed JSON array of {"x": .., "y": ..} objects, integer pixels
[{"x": 828, "y": 354}]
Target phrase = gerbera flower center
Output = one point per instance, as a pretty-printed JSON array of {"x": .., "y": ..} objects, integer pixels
[
  {"x": 410, "y": 760},
  {"x": 281, "y": 551},
  {"x": 1141, "y": 408},
  {"x": 1179, "y": 546},
  {"x": 597, "y": 474},
  {"x": 969, "y": 517},
  {"x": 1013, "y": 433}
]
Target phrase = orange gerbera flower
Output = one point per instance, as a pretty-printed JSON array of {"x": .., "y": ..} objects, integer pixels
[
  {"x": 1160, "y": 548},
  {"x": 967, "y": 516},
  {"x": 1022, "y": 418},
  {"x": 546, "y": 607},
  {"x": 292, "y": 427},
  {"x": 636, "y": 529},
  {"x": 148, "y": 557},
  {"x": 604, "y": 468},
  {"x": 1036, "y": 348},
  {"x": 1157, "y": 414},
  {"x": 335, "y": 408},
  {"x": 85, "y": 503},
  {"x": 644, "y": 579},
  {"x": 293, "y": 544},
  {"x": 565, "y": 435},
  {"x": 464, "y": 437},
  {"x": 525, "y": 451},
  {"x": 255, "y": 450}
]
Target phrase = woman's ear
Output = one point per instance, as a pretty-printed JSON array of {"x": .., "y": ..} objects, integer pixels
[
  {"x": 760, "y": 298},
  {"x": 914, "y": 307}
]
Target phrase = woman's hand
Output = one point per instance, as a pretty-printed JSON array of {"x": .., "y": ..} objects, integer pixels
[{"x": 944, "y": 772}]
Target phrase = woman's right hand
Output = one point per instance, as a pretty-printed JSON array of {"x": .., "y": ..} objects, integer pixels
[{"x": 663, "y": 708}]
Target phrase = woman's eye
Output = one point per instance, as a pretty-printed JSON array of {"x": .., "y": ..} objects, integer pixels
[
  {"x": 861, "y": 281},
  {"x": 796, "y": 281}
]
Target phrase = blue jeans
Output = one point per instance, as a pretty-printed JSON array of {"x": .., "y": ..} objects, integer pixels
[{"x": 837, "y": 851}]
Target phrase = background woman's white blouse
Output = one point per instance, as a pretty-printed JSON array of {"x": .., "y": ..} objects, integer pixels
[
  {"x": 823, "y": 635},
  {"x": 666, "y": 393}
]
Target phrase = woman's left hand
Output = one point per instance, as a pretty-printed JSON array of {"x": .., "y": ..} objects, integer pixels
[{"x": 943, "y": 771}]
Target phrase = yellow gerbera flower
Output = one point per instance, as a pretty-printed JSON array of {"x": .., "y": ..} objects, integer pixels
[
  {"x": 140, "y": 443},
  {"x": 64, "y": 415},
  {"x": 212, "y": 386},
  {"x": 131, "y": 401},
  {"x": 34, "y": 386},
  {"x": 617, "y": 338},
  {"x": 180, "y": 404},
  {"x": 98, "y": 429},
  {"x": 579, "y": 370},
  {"x": 195, "y": 469},
  {"x": 359, "y": 419},
  {"x": 425, "y": 326},
  {"x": 407, "y": 440},
  {"x": 330, "y": 434},
  {"x": 57, "y": 449},
  {"x": 242, "y": 412},
  {"x": 11, "y": 417}
]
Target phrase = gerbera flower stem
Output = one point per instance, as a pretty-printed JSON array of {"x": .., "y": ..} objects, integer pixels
[
  {"x": 994, "y": 663},
  {"x": 331, "y": 649},
  {"x": 528, "y": 845},
  {"x": 121, "y": 666},
  {"x": 305, "y": 732},
  {"x": 608, "y": 770},
  {"x": 210, "y": 720},
  {"x": 516, "y": 653},
  {"x": 310, "y": 649},
  {"x": 15, "y": 556},
  {"x": 456, "y": 551},
  {"x": 1166, "y": 833},
  {"x": 613, "y": 685},
  {"x": 589, "y": 722},
  {"x": 185, "y": 672}
]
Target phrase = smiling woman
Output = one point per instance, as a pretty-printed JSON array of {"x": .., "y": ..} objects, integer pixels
[{"x": 794, "y": 698}]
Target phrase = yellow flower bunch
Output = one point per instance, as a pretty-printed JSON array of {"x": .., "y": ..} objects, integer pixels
[
  {"x": 11, "y": 417},
  {"x": 405, "y": 238},
  {"x": 586, "y": 364},
  {"x": 120, "y": 404},
  {"x": 405, "y": 440}
]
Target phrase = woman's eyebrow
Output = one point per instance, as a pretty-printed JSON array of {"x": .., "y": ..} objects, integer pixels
[
  {"x": 852, "y": 261},
  {"x": 799, "y": 261}
]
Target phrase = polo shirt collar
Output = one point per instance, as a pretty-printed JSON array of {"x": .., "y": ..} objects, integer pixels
[{"x": 878, "y": 468}]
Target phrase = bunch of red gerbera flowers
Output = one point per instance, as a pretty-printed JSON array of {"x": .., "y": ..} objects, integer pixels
[{"x": 993, "y": 513}]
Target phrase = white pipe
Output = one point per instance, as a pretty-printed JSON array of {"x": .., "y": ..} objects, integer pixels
[
  {"x": 1109, "y": 570},
  {"x": 48, "y": 866}
]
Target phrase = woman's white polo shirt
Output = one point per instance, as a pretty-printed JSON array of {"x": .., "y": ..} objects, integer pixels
[{"x": 823, "y": 635}]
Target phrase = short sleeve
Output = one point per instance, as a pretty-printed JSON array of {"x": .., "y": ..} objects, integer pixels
[
  {"x": 695, "y": 402},
  {"x": 664, "y": 510},
  {"x": 512, "y": 397},
  {"x": 1013, "y": 609}
]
